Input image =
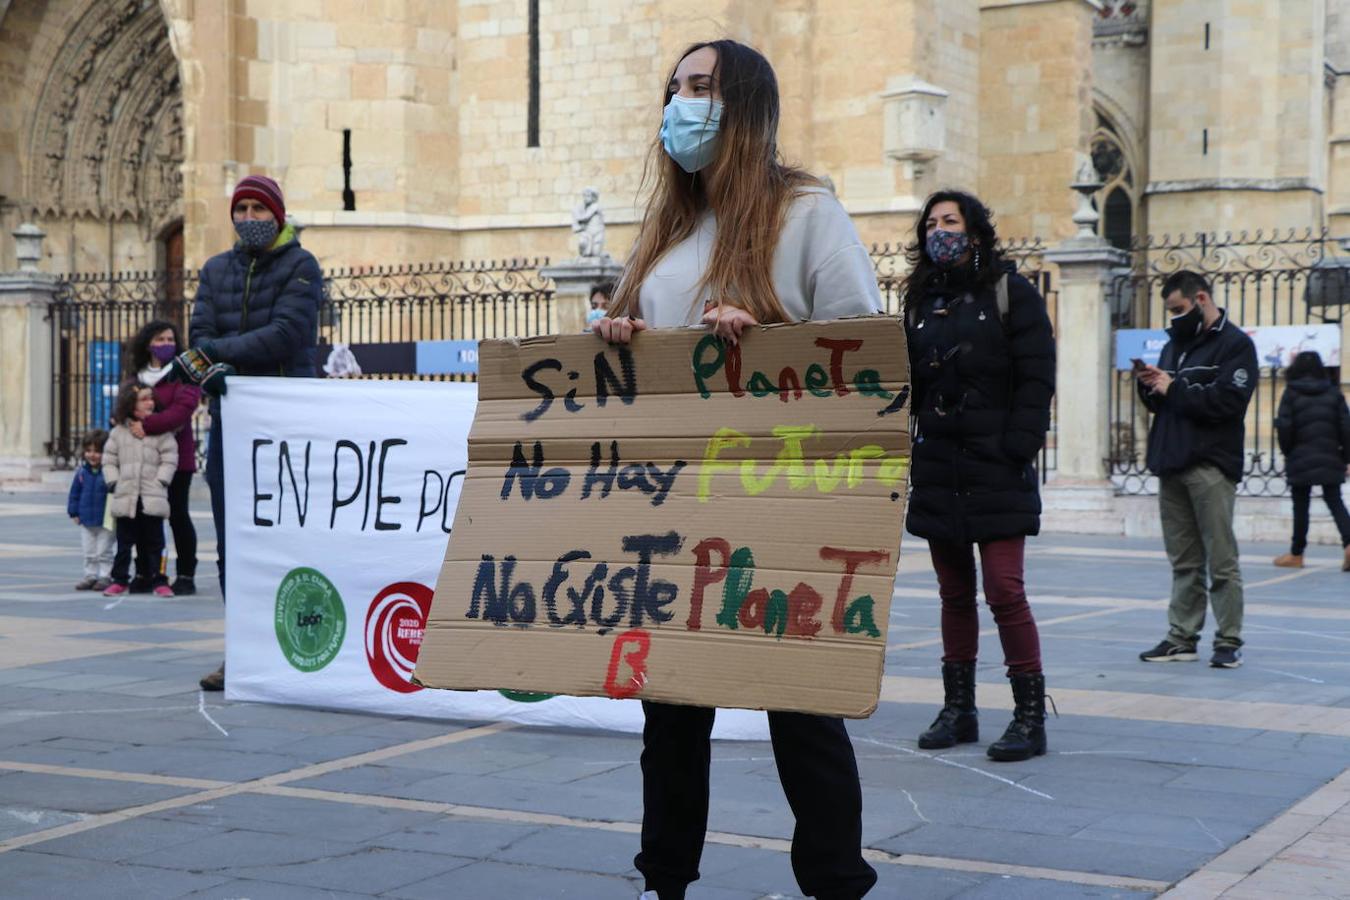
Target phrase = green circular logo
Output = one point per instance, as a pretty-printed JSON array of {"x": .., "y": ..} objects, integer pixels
[
  {"x": 524, "y": 696},
  {"x": 311, "y": 620}
]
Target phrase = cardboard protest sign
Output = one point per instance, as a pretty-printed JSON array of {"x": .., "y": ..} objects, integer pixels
[{"x": 680, "y": 520}]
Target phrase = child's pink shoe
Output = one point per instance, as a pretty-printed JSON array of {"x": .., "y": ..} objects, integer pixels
[
  {"x": 163, "y": 590},
  {"x": 115, "y": 590}
]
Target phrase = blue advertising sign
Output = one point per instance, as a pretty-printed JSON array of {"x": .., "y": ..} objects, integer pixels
[
  {"x": 105, "y": 370},
  {"x": 447, "y": 357},
  {"x": 1143, "y": 343}
]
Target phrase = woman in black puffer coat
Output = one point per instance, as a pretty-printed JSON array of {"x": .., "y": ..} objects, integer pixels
[
  {"x": 1313, "y": 426},
  {"x": 982, "y": 363}
]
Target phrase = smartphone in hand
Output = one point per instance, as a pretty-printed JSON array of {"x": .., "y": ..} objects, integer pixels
[{"x": 1138, "y": 364}]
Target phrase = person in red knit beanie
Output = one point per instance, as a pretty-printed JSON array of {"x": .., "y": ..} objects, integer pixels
[{"x": 256, "y": 313}]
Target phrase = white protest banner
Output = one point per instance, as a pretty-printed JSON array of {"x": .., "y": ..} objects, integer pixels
[{"x": 340, "y": 495}]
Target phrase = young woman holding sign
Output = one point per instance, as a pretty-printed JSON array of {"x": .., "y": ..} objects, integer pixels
[
  {"x": 733, "y": 238},
  {"x": 982, "y": 367}
]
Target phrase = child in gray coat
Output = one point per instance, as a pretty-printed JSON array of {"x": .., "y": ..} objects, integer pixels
[{"x": 138, "y": 472}]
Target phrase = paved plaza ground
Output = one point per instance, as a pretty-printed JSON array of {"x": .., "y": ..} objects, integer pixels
[{"x": 118, "y": 778}]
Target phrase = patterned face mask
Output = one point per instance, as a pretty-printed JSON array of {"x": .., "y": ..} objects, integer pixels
[
  {"x": 256, "y": 235},
  {"x": 945, "y": 248}
]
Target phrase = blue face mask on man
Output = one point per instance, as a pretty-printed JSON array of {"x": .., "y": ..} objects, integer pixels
[{"x": 689, "y": 130}]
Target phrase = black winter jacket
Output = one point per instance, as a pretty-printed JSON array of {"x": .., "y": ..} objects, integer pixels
[
  {"x": 1199, "y": 419},
  {"x": 981, "y": 406},
  {"x": 1313, "y": 426},
  {"x": 260, "y": 313}
]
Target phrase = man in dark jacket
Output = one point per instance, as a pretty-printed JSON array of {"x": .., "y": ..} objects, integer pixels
[
  {"x": 1198, "y": 394},
  {"x": 256, "y": 313}
]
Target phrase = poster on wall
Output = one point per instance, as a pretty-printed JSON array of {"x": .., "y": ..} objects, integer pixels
[
  {"x": 1276, "y": 345},
  {"x": 341, "y": 360},
  {"x": 341, "y": 495}
]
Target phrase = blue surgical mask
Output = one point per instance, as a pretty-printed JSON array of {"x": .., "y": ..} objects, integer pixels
[
  {"x": 255, "y": 234},
  {"x": 689, "y": 131}
]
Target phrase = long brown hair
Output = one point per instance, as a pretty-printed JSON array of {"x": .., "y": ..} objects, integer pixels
[{"x": 750, "y": 194}]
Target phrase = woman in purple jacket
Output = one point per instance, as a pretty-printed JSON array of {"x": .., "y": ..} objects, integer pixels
[{"x": 148, "y": 357}]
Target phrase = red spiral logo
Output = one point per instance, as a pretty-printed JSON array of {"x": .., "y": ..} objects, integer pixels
[{"x": 394, "y": 627}]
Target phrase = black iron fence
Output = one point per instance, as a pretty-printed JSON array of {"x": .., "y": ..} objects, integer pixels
[
  {"x": 434, "y": 302},
  {"x": 1299, "y": 279},
  {"x": 94, "y": 316}
]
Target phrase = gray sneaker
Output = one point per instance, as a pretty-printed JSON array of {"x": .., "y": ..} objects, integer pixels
[
  {"x": 86, "y": 583},
  {"x": 1166, "y": 651},
  {"x": 1226, "y": 658},
  {"x": 101, "y": 585}
]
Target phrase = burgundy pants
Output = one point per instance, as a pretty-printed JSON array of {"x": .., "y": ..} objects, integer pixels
[{"x": 1001, "y": 562}]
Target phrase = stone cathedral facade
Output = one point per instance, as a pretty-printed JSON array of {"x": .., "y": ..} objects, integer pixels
[{"x": 420, "y": 130}]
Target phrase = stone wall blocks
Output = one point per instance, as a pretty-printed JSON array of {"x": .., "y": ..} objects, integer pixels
[
  {"x": 376, "y": 55},
  {"x": 316, "y": 35}
]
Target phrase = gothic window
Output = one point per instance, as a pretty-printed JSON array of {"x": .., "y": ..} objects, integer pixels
[{"x": 1118, "y": 199}]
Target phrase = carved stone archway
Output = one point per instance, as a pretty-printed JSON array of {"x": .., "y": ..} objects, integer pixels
[{"x": 106, "y": 130}]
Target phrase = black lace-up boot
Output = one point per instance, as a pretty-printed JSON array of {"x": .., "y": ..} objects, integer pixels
[
  {"x": 959, "y": 722},
  {"x": 1025, "y": 736}
]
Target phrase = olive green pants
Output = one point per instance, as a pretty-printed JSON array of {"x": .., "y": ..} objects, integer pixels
[{"x": 1196, "y": 508}]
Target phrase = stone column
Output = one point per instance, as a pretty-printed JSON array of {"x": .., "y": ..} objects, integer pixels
[
  {"x": 1084, "y": 360},
  {"x": 26, "y": 348}
]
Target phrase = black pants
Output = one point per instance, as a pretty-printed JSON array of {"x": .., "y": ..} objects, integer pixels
[
  {"x": 146, "y": 534},
  {"x": 215, "y": 480},
  {"x": 180, "y": 523},
  {"x": 1331, "y": 493},
  {"x": 820, "y": 778}
]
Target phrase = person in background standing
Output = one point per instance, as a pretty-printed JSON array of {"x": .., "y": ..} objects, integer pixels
[
  {"x": 149, "y": 358},
  {"x": 138, "y": 472},
  {"x": 86, "y": 505},
  {"x": 1313, "y": 427},
  {"x": 1198, "y": 394},
  {"x": 982, "y": 365},
  {"x": 256, "y": 313},
  {"x": 601, "y": 295}
]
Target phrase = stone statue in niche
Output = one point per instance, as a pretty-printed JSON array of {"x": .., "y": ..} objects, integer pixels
[{"x": 588, "y": 221}]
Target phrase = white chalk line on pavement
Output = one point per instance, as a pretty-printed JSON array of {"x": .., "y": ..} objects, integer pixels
[
  {"x": 1250, "y": 626},
  {"x": 1205, "y": 828},
  {"x": 201, "y": 708},
  {"x": 1292, "y": 675},
  {"x": 914, "y": 803},
  {"x": 951, "y": 762}
]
